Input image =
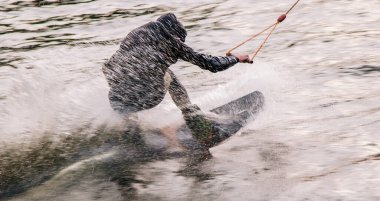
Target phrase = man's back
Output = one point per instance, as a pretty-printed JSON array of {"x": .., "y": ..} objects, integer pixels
[
  {"x": 136, "y": 72},
  {"x": 144, "y": 52},
  {"x": 138, "y": 67}
]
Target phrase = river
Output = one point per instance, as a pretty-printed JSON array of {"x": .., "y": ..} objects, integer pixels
[{"x": 316, "y": 139}]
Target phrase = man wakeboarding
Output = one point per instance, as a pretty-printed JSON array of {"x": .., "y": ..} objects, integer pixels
[{"x": 138, "y": 73}]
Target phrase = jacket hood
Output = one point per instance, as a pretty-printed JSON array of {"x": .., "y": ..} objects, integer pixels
[{"x": 173, "y": 26}]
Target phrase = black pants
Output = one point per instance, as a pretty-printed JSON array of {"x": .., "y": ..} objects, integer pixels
[{"x": 210, "y": 130}]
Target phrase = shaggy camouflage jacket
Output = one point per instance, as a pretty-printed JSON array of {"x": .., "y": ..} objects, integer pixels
[{"x": 135, "y": 73}]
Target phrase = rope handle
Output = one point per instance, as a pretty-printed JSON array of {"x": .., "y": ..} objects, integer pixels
[{"x": 272, "y": 27}]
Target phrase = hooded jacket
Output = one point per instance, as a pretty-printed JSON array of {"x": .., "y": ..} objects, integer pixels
[{"x": 135, "y": 73}]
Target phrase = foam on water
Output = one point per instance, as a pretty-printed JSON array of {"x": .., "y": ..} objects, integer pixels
[{"x": 50, "y": 99}]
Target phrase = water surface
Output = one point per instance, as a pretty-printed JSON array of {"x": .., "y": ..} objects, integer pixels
[{"x": 317, "y": 139}]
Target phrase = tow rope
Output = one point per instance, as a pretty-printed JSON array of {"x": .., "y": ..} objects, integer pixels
[{"x": 271, "y": 27}]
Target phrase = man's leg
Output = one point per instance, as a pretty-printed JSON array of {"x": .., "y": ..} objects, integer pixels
[
  {"x": 179, "y": 95},
  {"x": 181, "y": 99},
  {"x": 191, "y": 113},
  {"x": 177, "y": 91},
  {"x": 196, "y": 120},
  {"x": 206, "y": 129}
]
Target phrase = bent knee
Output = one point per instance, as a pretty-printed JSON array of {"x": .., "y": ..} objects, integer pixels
[{"x": 167, "y": 79}]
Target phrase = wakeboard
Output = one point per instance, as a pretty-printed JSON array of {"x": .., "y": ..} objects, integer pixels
[{"x": 224, "y": 121}]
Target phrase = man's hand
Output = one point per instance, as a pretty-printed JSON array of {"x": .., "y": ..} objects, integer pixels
[
  {"x": 244, "y": 59},
  {"x": 241, "y": 58}
]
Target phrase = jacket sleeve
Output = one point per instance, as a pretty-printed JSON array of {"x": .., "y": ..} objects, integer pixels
[{"x": 204, "y": 61}]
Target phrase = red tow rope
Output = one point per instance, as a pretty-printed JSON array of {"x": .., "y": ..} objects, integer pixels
[{"x": 271, "y": 27}]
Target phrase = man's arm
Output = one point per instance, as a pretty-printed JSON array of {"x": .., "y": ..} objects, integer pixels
[{"x": 207, "y": 62}]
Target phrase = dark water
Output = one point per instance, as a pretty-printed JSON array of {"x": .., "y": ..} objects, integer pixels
[{"x": 317, "y": 139}]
